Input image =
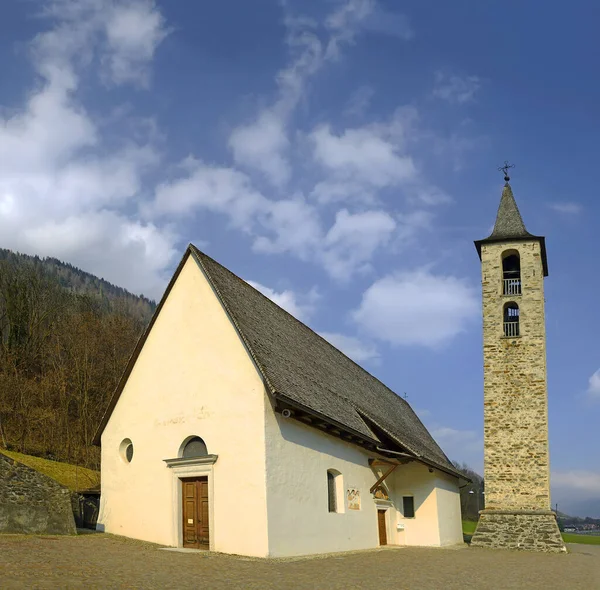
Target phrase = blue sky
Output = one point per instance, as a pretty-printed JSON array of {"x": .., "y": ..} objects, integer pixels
[{"x": 340, "y": 155}]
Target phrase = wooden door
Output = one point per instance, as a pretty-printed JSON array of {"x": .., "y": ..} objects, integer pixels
[
  {"x": 195, "y": 512},
  {"x": 381, "y": 526}
]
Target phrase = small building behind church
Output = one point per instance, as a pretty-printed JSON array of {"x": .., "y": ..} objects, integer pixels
[{"x": 236, "y": 428}]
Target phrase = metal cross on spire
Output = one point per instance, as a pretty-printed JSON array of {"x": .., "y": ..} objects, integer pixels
[{"x": 505, "y": 169}]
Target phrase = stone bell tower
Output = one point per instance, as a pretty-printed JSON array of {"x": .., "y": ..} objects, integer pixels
[{"x": 517, "y": 511}]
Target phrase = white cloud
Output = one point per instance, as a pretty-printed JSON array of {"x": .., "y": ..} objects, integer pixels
[
  {"x": 359, "y": 101},
  {"x": 65, "y": 168},
  {"x": 568, "y": 208},
  {"x": 214, "y": 188},
  {"x": 358, "y": 350},
  {"x": 587, "y": 482},
  {"x": 455, "y": 89},
  {"x": 279, "y": 226},
  {"x": 124, "y": 33},
  {"x": 133, "y": 32},
  {"x": 577, "y": 492},
  {"x": 354, "y": 165},
  {"x": 417, "y": 308},
  {"x": 358, "y": 163},
  {"x": 363, "y": 155},
  {"x": 301, "y": 306},
  {"x": 455, "y": 441},
  {"x": 594, "y": 385},
  {"x": 389, "y": 23},
  {"x": 64, "y": 190},
  {"x": 331, "y": 191},
  {"x": 465, "y": 446},
  {"x": 354, "y": 16},
  {"x": 353, "y": 239},
  {"x": 290, "y": 225},
  {"x": 344, "y": 24},
  {"x": 411, "y": 225},
  {"x": 262, "y": 145},
  {"x": 126, "y": 252}
]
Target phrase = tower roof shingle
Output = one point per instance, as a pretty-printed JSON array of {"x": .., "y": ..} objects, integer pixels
[
  {"x": 509, "y": 223},
  {"x": 509, "y": 226}
]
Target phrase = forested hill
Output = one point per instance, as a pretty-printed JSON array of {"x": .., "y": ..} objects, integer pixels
[
  {"x": 65, "y": 337},
  {"x": 108, "y": 296}
]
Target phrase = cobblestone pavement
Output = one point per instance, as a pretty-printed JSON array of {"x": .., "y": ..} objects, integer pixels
[{"x": 106, "y": 561}]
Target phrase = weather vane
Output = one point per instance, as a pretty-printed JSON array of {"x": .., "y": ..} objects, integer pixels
[{"x": 505, "y": 169}]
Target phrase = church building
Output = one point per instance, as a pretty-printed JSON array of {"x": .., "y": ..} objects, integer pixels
[
  {"x": 238, "y": 429},
  {"x": 517, "y": 511}
]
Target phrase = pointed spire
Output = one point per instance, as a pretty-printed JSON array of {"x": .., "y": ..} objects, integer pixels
[
  {"x": 509, "y": 226},
  {"x": 509, "y": 223}
]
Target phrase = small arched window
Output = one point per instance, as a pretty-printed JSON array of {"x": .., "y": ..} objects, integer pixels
[
  {"x": 511, "y": 320},
  {"x": 335, "y": 499},
  {"x": 511, "y": 273},
  {"x": 194, "y": 447}
]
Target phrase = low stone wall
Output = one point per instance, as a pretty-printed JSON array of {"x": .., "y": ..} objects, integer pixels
[
  {"x": 534, "y": 530},
  {"x": 31, "y": 502}
]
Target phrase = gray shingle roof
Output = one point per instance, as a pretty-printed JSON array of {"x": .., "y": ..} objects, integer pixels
[
  {"x": 509, "y": 226},
  {"x": 509, "y": 223},
  {"x": 300, "y": 365}
]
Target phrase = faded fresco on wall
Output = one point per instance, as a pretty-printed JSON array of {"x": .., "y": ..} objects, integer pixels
[{"x": 353, "y": 498}]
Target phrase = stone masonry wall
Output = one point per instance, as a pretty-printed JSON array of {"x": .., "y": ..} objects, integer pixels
[
  {"x": 516, "y": 460},
  {"x": 526, "y": 531},
  {"x": 31, "y": 502}
]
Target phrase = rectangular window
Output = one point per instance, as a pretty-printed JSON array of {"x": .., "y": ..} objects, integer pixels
[{"x": 408, "y": 506}]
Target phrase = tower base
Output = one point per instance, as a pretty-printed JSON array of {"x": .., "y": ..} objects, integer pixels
[{"x": 529, "y": 530}]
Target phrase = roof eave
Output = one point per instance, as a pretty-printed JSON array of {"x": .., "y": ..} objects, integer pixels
[
  {"x": 417, "y": 456},
  {"x": 334, "y": 423}
]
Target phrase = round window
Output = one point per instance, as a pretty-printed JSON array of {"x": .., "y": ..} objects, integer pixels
[{"x": 126, "y": 450}]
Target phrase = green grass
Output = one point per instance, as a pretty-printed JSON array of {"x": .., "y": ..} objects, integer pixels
[
  {"x": 468, "y": 527},
  {"x": 74, "y": 478},
  {"x": 584, "y": 539}
]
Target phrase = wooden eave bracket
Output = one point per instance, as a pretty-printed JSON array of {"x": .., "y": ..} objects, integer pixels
[{"x": 378, "y": 483}]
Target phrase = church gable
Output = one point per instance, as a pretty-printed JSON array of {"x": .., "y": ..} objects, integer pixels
[
  {"x": 191, "y": 379},
  {"x": 190, "y": 327},
  {"x": 189, "y": 350}
]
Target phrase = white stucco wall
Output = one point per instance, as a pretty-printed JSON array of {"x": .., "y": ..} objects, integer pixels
[
  {"x": 414, "y": 479},
  {"x": 437, "y": 519},
  {"x": 193, "y": 377},
  {"x": 449, "y": 515},
  {"x": 298, "y": 458}
]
